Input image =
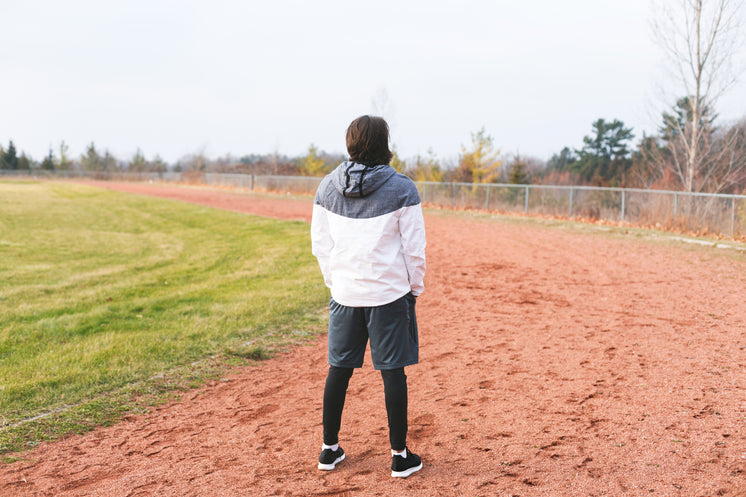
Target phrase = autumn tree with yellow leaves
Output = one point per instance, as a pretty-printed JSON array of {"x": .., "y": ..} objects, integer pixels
[
  {"x": 313, "y": 164},
  {"x": 480, "y": 162}
]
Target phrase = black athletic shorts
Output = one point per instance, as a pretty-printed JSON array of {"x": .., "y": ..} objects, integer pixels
[{"x": 391, "y": 328}]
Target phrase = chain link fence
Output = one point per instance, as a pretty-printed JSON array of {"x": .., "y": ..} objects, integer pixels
[{"x": 706, "y": 213}]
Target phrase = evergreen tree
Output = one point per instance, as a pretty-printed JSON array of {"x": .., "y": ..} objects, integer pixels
[
  {"x": 157, "y": 165},
  {"x": 10, "y": 158},
  {"x": 91, "y": 161},
  {"x": 25, "y": 163},
  {"x": 138, "y": 164},
  {"x": 48, "y": 163},
  {"x": 109, "y": 162},
  {"x": 561, "y": 162},
  {"x": 518, "y": 174},
  {"x": 604, "y": 158}
]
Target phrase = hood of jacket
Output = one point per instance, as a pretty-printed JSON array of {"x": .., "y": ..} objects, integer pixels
[{"x": 358, "y": 180}]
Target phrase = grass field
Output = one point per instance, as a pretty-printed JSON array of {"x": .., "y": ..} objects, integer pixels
[{"x": 110, "y": 302}]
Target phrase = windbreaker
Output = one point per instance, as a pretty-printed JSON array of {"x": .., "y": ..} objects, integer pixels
[{"x": 368, "y": 234}]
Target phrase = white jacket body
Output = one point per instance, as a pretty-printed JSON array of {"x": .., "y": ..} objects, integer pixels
[{"x": 368, "y": 234}]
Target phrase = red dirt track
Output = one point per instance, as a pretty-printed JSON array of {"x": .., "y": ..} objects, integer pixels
[{"x": 553, "y": 363}]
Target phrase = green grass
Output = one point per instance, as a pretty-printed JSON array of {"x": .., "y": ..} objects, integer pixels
[{"x": 111, "y": 302}]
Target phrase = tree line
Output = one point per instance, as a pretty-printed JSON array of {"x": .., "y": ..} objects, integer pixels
[{"x": 607, "y": 157}]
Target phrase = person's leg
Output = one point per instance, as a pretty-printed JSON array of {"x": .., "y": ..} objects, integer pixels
[
  {"x": 335, "y": 392},
  {"x": 347, "y": 339},
  {"x": 394, "y": 345},
  {"x": 403, "y": 462},
  {"x": 395, "y": 392}
]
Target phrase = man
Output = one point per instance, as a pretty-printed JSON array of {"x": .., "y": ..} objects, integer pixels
[{"x": 368, "y": 235}]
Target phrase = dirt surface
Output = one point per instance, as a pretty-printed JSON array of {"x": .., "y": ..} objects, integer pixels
[{"x": 552, "y": 363}]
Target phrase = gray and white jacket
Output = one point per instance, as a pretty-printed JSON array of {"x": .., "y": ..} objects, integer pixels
[{"x": 368, "y": 234}]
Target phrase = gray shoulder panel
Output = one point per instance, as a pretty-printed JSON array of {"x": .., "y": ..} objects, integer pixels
[{"x": 399, "y": 191}]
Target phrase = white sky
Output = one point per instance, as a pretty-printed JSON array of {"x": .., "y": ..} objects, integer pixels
[{"x": 237, "y": 77}]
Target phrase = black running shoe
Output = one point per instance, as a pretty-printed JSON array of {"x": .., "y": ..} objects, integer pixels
[
  {"x": 329, "y": 458},
  {"x": 401, "y": 467}
]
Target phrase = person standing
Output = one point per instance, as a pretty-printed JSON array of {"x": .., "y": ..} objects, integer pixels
[{"x": 368, "y": 234}]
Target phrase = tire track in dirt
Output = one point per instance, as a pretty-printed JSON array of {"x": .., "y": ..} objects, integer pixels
[{"x": 552, "y": 363}]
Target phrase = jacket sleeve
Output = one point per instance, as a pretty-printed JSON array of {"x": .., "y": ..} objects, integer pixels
[
  {"x": 321, "y": 241},
  {"x": 412, "y": 229}
]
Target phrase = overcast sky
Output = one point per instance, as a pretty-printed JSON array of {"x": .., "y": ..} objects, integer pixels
[{"x": 238, "y": 77}]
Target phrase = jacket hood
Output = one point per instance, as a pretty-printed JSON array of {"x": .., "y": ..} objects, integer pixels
[{"x": 358, "y": 180}]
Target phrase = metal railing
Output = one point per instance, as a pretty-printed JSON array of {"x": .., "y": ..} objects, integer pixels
[{"x": 706, "y": 213}]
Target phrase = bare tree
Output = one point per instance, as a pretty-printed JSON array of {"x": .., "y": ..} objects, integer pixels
[
  {"x": 701, "y": 39},
  {"x": 381, "y": 104},
  {"x": 730, "y": 169}
]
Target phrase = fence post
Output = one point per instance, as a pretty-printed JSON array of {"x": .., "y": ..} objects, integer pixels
[
  {"x": 487, "y": 207},
  {"x": 525, "y": 207},
  {"x": 424, "y": 193},
  {"x": 571, "y": 192},
  {"x": 251, "y": 183},
  {"x": 675, "y": 205},
  {"x": 453, "y": 194},
  {"x": 733, "y": 217},
  {"x": 623, "y": 204}
]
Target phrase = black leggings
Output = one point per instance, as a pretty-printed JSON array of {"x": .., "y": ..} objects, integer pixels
[{"x": 395, "y": 392}]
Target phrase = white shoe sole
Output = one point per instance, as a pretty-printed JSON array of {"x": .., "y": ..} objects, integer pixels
[
  {"x": 329, "y": 467},
  {"x": 404, "y": 474}
]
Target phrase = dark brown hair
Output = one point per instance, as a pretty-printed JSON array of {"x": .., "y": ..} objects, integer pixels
[{"x": 368, "y": 141}]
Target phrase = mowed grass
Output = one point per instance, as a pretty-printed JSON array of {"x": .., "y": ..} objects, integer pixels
[{"x": 108, "y": 298}]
